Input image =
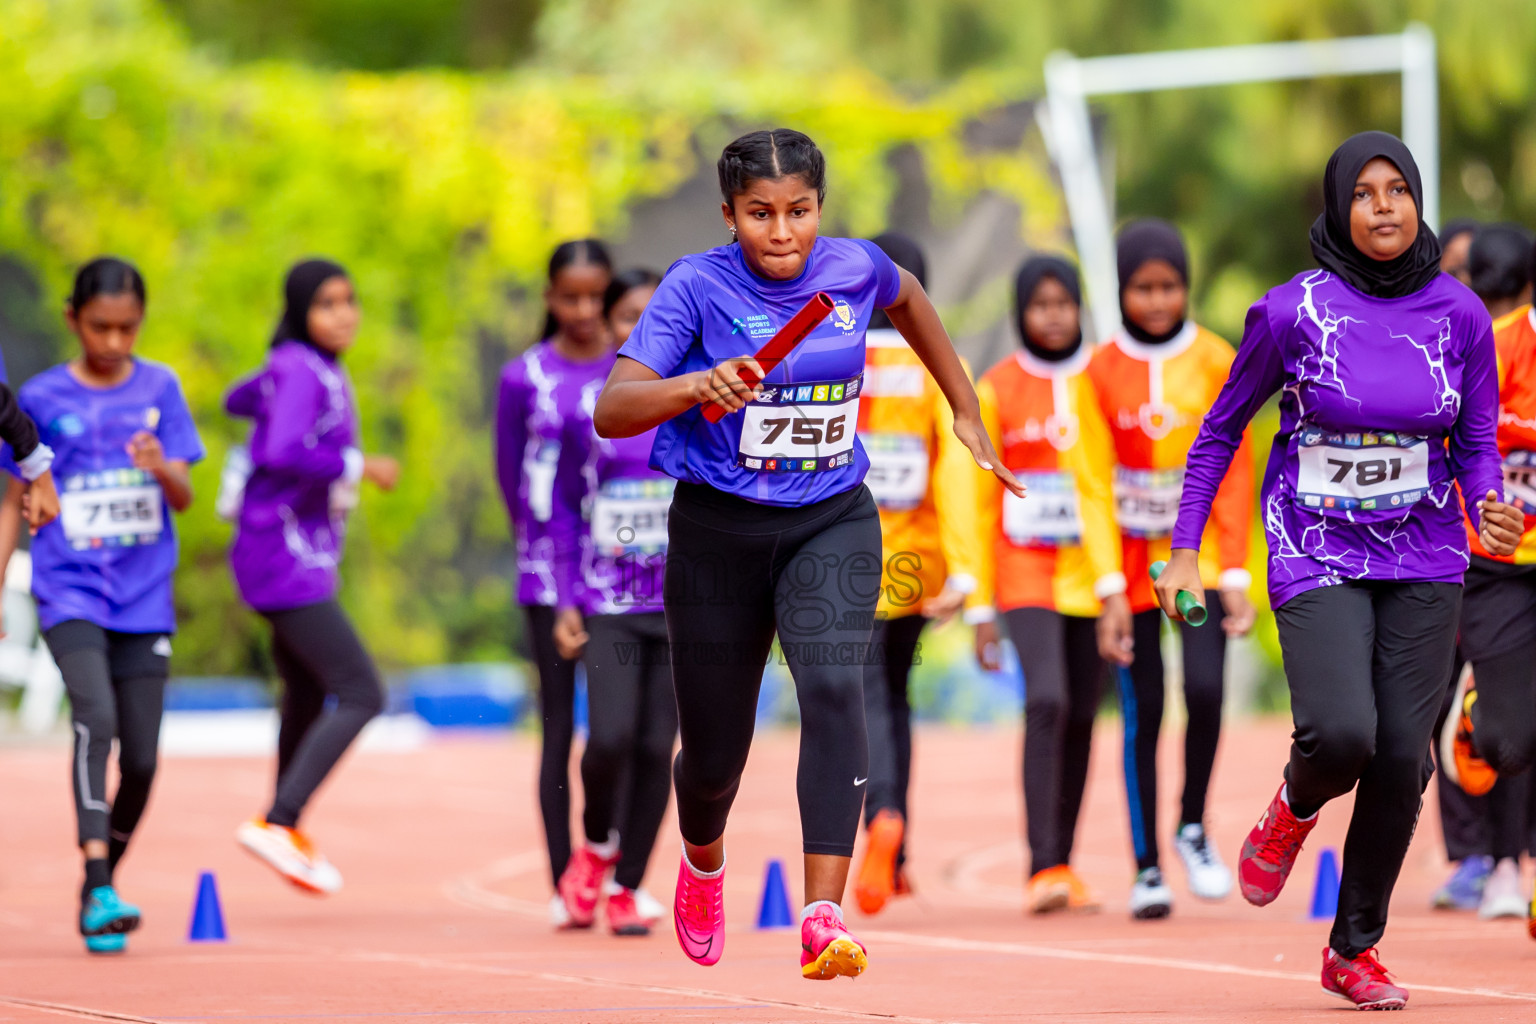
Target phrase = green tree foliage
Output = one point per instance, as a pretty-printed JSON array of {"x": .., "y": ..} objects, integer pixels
[
  {"x": 374, "y": 35},
  {"x": 443, "y": 193}
]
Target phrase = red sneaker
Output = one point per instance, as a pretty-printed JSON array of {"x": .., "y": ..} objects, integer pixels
[
  {"x": 1363, "y": 981},
  {"x": 826, "y": 948},
  {"x": 581, "y": 881},
  {"x": 1270, "y": 851},
  {"x": 623, "y": 916}
]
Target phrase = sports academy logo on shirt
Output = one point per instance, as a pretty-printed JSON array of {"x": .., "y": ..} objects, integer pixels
[{"x": 843, "y": 316}]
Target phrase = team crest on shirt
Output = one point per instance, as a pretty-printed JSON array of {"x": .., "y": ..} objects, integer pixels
[
  {"x": 842, "y": 315},
  {"x": 1061, "y": 431},
  {"x": 1158, "y": 420}
]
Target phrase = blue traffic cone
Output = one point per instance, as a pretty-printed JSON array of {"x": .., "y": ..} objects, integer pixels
[
  {"x": 1325, "y": 891},
  {"x": 207, "y": 916},
  {"x": 774, "y": 911}
]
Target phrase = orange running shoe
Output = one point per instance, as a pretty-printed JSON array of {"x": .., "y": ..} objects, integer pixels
[
  {"x": 877, "y": 875},
  {"x": 1048, "y": 890},
  {"x": 1083, "y": 899},
  {"x": 1458, "y": 750},
  {"x": 290, "y": 853}
]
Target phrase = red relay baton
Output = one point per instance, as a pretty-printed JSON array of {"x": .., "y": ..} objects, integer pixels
[{"x": 780, "y": 345}]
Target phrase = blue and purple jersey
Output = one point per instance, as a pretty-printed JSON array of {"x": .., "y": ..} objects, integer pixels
[
  {"x": 798, "y": 443},
  {"x": 109, "y": 557},
  {"x": 1385, "y": 405}
]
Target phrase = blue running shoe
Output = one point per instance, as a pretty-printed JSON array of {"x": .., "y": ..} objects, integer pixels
[
  {"x": 102, "y": 944},
  {"x": 105, "y": 914},
  {"x": 1464, "y": 889}
]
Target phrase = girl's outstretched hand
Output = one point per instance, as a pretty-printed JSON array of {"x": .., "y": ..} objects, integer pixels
[{"x": 971, "y": 434}]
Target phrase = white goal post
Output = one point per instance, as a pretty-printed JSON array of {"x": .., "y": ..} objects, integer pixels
[{"x": 1070, "y": 80}]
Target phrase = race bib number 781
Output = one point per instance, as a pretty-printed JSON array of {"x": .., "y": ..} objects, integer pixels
[{"x": 1360, "y": 471}]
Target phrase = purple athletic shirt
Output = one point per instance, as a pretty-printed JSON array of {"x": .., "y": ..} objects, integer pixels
[
  {"x": 623, "y": 541},
  {"x": 1386, "y": 404},
  {"x": 110, "y": 556},
  {"x": 540, "y": 476},
  {"x": 802, "y": 446},
  {"x": 288, "y": 540}
]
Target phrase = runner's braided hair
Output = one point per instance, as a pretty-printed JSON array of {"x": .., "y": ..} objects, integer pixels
[{"x": 769, "y": 155}]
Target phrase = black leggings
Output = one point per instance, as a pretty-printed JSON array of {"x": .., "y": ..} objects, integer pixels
[
  {"x": 1063, "y": 677},
  {"x": 1498, "y": 636},
  {"x": 893, "y": 646},
  {"x": 1366, "y": 662},
  {"x": 116, "y": 686},
  {"x": 1141, "y": 699},
  {"x": 557, "y": 710},
  {"x": 319, "y": 656},
  {"x": 633, "y": 717},
  {"x": 736, "y": 570}
]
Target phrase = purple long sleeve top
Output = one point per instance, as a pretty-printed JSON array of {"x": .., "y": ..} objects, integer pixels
[
  {"x": 288, "y": 539},
  {"x": 539, "y": 472},
  {"x": 1386, "y": 404},
  {"x": 623, "y": 541}
]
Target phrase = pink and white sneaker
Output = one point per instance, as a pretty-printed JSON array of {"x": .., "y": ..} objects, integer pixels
[
  {"x": 582, "y": 881},
  {"x": 698, "y": 913},
  {"x": 827, "y": 949}
]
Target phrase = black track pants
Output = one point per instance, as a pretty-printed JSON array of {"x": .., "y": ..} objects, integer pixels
[{"x": 557, "y": 711}]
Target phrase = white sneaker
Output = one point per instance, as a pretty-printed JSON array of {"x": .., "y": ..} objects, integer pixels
[
  {"x": 1208, "y": 877},
  {"x": 649, "y": 907},
  {"x": 1150, "y": 896},
  {"x": 559, "y": 916},
  {"x": 290, "y": 853},
  {"x": 1502, "y": 896}
]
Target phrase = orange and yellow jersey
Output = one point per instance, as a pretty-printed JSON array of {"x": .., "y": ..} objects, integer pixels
[
  {"x": 1514, "y": 336},
  {"x": 1154, "y": 398},
  {"x": 1058, "y": 547},
  {"x": 923, "y": 479}
]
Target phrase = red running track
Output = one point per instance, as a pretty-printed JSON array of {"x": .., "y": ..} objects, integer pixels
[{"x": 442, "y": 920}]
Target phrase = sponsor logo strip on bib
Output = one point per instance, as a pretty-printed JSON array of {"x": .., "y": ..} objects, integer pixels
[
  {"x": 800, "y": 427},
  {"x": 1365, "y": 471}
]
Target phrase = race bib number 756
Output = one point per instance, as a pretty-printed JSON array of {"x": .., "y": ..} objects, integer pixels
[{"x": 111, "y": 508}]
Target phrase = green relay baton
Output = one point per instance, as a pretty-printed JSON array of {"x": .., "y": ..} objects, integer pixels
[{"x": 1188, "y": 604}]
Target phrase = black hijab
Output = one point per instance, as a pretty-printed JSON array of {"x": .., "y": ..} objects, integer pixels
[
  {"x": 303, "y": 281},
  {"x": 1035, "y": 270},
  {"x": 1499, "y": 261},
  {"x": 1332, "y": 246},
  {"x": 1140, "y": 243}
]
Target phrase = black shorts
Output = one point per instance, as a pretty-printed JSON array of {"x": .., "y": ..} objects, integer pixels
[
  {"x": 129, "y": 655},
  {"x": 1498, "y": 609}
]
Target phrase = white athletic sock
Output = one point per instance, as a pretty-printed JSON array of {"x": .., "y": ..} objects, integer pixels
[
  {"x": 606, "y": 850},
  {"x": 1286, "y": 795},
  {"x": 706, "y": 875},
  {"x": 811, "y": 908}
]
